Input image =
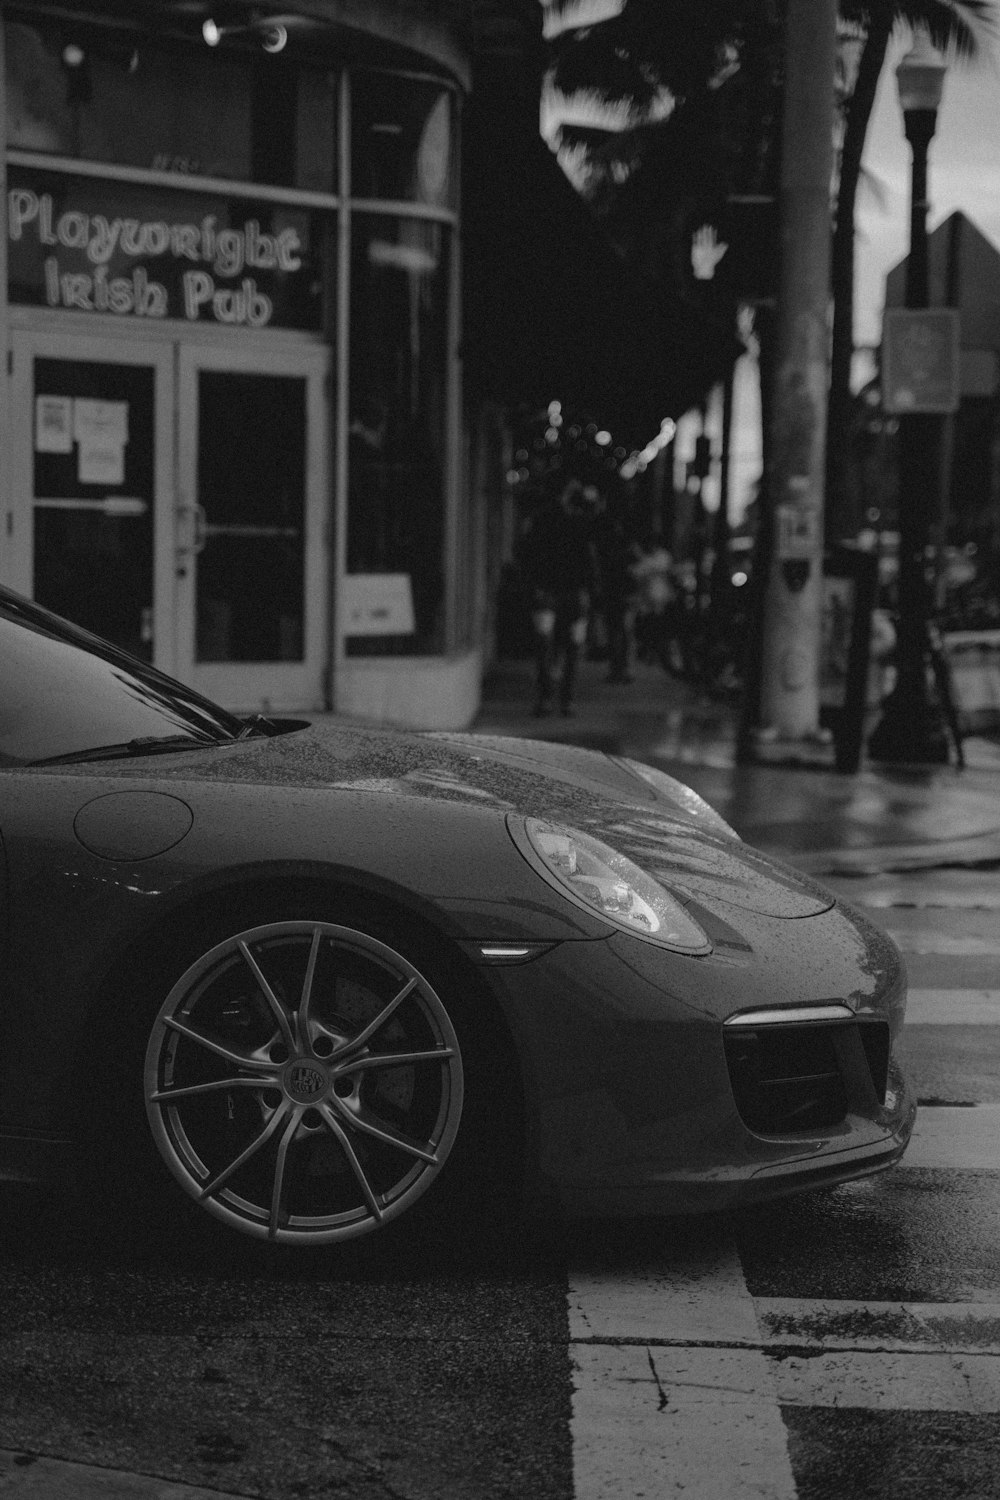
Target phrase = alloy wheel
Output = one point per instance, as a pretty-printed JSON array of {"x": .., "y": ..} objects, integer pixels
[{"x": 303, "y": 1082}]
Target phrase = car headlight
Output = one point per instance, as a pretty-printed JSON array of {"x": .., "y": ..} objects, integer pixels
[
  {"x": 675, "y": 792},
  {"x": 610, "y": 884}
]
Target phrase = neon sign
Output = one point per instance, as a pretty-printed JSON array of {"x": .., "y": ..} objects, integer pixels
[{"x": 218, "y": 266}]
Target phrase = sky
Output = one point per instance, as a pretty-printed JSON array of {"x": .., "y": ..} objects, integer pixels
[{"x": 963, "y": 171}]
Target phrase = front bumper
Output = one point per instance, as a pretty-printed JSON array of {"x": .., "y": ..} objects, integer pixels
[{"x": 630, "y": 1093}]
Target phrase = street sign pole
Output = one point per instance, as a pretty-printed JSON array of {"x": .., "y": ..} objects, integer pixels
[{"x": 911, "y": 728}]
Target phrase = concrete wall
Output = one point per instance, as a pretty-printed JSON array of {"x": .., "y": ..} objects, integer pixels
[{"x": 417, "y": 692}]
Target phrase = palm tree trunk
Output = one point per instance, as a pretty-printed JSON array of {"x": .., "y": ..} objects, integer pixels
[
  {"x": 791, "y": 642},
  {"x": 842, "y": 519}
]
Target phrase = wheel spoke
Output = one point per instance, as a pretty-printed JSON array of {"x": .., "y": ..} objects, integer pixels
[
  {"x": 307, "y": 984},
  {"x": 379, "y": 1021},
  {"x": 358, "y": 1121},
  {"x": 340, "y": 1135},
  {"x": 277, "y": 1009},
  {"x": 238, "y": 1059},
  {"x": 164, "y": 1096},
  {"x": 208, "y": 1188},
  {"x": 396, "y": 1059},
  {"x": 279, "y": 1171}
]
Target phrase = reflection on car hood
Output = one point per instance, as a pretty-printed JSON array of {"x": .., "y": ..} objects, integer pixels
[
  {"x": 583, "y": 788},
  {"x": 708, "y": 868}
]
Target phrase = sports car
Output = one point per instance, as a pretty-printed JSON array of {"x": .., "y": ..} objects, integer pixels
[{"x": 305, "y": 981}]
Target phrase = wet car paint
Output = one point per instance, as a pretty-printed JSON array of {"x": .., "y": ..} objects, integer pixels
[{"x": 625, "y": 1084}]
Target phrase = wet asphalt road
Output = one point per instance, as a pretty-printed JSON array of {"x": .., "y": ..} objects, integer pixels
[
  {"x": 359, "y": 1379},
  {"x": 877, "y": 1308},
  {"x": 923, "y": 1237}
]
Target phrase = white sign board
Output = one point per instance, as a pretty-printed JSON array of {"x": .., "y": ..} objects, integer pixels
[
  {"x": 798, "y": 531},
  {"x": 377, "y": 604},
  {"x": 920, "y": 360}
]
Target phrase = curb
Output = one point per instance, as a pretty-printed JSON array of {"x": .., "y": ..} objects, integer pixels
[
  {"x": 975, "y": 852},
  {"x": 31, "y": 1476}
]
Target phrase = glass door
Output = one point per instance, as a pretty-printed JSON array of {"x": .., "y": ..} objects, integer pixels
[
  {"x": 92, "y": 438},
  {"x": 251, "y": 549}
]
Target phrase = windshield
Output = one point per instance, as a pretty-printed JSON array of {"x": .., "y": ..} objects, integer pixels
[{"x": 63, "y": 691}]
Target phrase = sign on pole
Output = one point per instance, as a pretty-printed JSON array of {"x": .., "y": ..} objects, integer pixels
[{"x": 921, "y": 364}]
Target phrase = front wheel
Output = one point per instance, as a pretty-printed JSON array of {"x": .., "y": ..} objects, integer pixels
[{"x": 304, "y": 1082}]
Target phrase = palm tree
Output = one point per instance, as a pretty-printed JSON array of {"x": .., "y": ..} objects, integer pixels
[
  {"x": 688, "y": 78},
  {"x": 717, "y": 56},
  {"x": 694, "y": 88},
  {"x": 951, "y": 24}
]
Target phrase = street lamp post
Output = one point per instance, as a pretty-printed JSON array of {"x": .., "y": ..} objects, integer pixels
[{"x": 911, "y": 728}]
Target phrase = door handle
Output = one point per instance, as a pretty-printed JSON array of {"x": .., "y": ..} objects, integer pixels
[{"x": 191, "y": 531}]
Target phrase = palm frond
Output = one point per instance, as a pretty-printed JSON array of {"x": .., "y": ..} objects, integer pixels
[
  {"x": 958, "y": 26},
  {"x": 961, "y": 26}
]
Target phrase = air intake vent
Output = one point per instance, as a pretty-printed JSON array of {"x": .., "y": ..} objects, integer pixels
[
  {"x": 786, "y": 1078},
  {"x": 875, "y": 1040},
  {"x": 791, "y": 1072}
]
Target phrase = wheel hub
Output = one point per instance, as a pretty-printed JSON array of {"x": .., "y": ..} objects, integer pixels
[{"x": 305, "y": 1081}]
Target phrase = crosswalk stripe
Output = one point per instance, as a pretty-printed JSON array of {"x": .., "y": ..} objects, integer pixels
[
  {"x": 697, "y": 1300},
  {"x": 955, "y": 1140},
  {"x": 890, "y": 1381},
  {"x": 883, "y": 1327},
  {"x": 939, "y": 943},
  {"x": 675, "y": 1418},
  {"x": 953, "y": 1007},
  {"x": 677, "y": 1422}
]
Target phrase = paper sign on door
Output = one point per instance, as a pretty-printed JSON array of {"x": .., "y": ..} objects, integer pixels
[
  {"x": 101, "y": 432},
  {"x": 53, "y": 424}
]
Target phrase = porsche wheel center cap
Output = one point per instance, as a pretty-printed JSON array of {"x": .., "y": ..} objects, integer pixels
[{"x": 305, "y": 1081}]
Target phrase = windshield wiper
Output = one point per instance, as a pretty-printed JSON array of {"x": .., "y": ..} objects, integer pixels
[
  {"x": 144, "y": 744},
  {"x": 258, "y": 726}
]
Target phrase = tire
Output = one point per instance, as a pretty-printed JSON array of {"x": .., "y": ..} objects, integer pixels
[{"x": 304, "y": 1083}]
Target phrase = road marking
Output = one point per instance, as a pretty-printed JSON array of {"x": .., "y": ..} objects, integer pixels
[
  {"x": 661, "y": 1422},
  {"x": 924, "y": 943},
  {"x": 691, "y": 1406},
  {"x": 967, "y": 892},
  {"x": 953, "y": 1008},
  {"x": 966, "y": 1140},
  {"x": 690, "y": 1301},
  {"x": 906, "y": 1327},
  {"x": 675, "y": 1418},
  {"x": 890, "y": 1381}
]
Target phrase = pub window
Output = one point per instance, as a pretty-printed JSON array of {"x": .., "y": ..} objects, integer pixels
[
  {"x": 401, "y": 140},
  {"x": 396, "y": 443}
]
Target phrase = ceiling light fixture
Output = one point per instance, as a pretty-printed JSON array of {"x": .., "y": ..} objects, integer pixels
[
  {"x": 273, "y": 34},
  {"x": 274, "y": 38}
]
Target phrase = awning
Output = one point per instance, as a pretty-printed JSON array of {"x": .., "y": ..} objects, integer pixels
[{"x": 552, "y": 312}]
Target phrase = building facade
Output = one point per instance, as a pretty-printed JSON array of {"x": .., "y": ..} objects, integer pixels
[{"x": 235, "y": 440}]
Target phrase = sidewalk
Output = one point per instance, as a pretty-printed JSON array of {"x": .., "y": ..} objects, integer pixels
[{"x": 827, "y": 822}]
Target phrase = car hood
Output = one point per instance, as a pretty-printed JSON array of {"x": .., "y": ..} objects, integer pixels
[{"x": 667, "y": 829}]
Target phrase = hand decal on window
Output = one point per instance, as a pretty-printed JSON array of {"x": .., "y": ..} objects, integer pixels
[{"x": 706, "y": 252}]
